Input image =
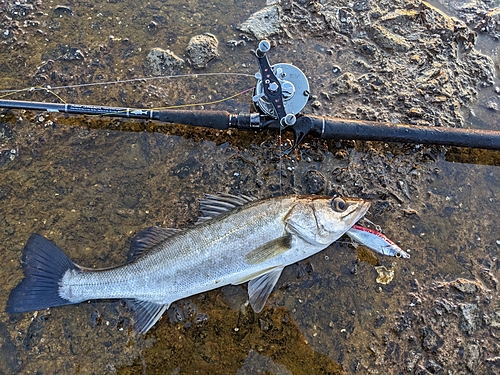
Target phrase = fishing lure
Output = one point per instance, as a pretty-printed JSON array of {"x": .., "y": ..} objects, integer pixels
[{"x": 376, "y": 241}]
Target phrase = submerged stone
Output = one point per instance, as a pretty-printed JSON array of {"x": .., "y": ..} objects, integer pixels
[
  {"x": 161, "y": 61},
  {"x": 201, "y": 50}
]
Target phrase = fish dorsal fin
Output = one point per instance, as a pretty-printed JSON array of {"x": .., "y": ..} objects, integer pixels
[
  {"x": 214, "y": 205},
  {"x": 148, "y": 238},
  {"x": 269, "y": 250},
  {"x": 146, "y": 314},
  {"x": 261, "y": 287}
]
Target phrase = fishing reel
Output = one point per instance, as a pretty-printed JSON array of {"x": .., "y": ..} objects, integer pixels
[{"x": 282, "y": 90}]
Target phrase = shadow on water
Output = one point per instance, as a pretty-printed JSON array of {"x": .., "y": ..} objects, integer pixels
[
  {"x": 90, "y": 184},
  {"x": 233, "y": 342}
]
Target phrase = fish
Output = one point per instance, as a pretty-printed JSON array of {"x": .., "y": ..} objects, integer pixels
[
  {"x": 376, "y": 241},
  {"x": 237, "y": 239}
]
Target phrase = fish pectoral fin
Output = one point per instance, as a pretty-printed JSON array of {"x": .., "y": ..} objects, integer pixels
[
  {"x": 269, "y": 250},
  {"x": 145, "y": 314},
  {"x": 147, "y": 239},
  {"x": 261, "y": 287}
]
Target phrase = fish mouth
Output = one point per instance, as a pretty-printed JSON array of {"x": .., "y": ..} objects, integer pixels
[{"x": 358, "y": 208}]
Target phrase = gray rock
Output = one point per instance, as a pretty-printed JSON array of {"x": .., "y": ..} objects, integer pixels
[
  {"x": 430, "y": 339},
  {"x": 469, "y": 317},
  {"x": 201, "y": 50},
  {"x": 465, "y": 286},
  {"x": 61, "y": 10},
  {"x": 472, "y": 356},
  {"x": 388, "y": 40},
  {"x": 341, "y": 20},
  {"x": 161, "y": 62},
  {"x": 262, "y": 24},
  {"x": 314, "y": 181}
]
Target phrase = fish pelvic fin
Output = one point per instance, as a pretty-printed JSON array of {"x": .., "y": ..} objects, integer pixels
[
  {"x": 261, "y": 287},
  {"x": 145, "y": 314},
  {"x": 44, "y": 265}
]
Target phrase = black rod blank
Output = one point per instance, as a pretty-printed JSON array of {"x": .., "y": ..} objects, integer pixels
[
  {"x": 335, "y": 128},
  {"x": 323, "y": 127}
]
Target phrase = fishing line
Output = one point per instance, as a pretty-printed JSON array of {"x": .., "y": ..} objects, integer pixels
[
  {"x": 30, "y": 89},
  {"x": 207, "y": 103},
  {"x": 50, "y": 89},
  {"x": 281, "y": 162},
  {"x": 196, "y": 75}
]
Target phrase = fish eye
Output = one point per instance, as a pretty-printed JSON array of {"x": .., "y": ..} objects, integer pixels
[
  {"x": 339, "y": 204},
  {"x": 398, "y": 255}
]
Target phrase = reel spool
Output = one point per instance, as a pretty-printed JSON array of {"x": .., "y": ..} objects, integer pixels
[{"x": 294, "y": 86}]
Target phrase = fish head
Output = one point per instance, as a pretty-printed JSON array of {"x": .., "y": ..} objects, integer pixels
[{"x": 322, "y": 220}]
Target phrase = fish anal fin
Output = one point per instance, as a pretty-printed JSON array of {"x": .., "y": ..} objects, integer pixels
[
  {"x": 145, "y": 314},
  {"x": 269, "y": 250},
  {"x": 215, "y": 205},
  {"x": 261, "y": 287},
  {"x": 148, "y": 238}
]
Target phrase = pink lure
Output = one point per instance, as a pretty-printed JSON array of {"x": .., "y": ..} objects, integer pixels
[{"x": 376, "y": 241}]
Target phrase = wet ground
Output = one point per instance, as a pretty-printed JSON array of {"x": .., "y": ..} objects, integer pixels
[{"x": 90, "y": 184}]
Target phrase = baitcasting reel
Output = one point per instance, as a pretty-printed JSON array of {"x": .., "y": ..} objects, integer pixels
[{"x": 282, "y": 90}]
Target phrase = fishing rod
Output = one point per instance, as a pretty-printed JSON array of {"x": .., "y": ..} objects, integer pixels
[{"x": 281, "y": 92}]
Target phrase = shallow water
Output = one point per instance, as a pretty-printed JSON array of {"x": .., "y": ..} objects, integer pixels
[{"x": 90, "y": 184}]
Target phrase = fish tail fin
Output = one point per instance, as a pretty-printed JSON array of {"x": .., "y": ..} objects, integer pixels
[{"x": 44, "y": 265}]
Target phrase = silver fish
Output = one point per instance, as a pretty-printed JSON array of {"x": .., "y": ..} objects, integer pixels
[
  {"x": 376, "y": 241},
  {"x": 238, "y": 239}
]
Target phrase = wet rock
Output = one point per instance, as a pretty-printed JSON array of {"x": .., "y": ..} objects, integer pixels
[
  {"x": 469, "y": 319},
  {"x": 447, "y": 305},
  {"x": 341, "y": 20},
  {"x": 175, "y": 313},
  {"x": 8, "y": 353},
  {"x": 314, "y": 182},
  {"x": 152, "y": 26},
  {"x": 492, "y": 104},
  {"x": 316, "y": 104},
  {"x": 34, "y": 333},
  {"x": 388, "y": 40},
  {"x": 17, "y": 10},
  {"x": 190, "y": 310},
  {"x": 368, "y": 49},
  {"x": 430, "y": 339},
  {"x": 161, "y": 62},
  {"x": 265, "y": 323},
  {"x": 491, "y": 23},
  {"x": 95, "y": 318},
  {"x": 63, "y": 52},
  {"x": 346, "y": 84},
  {"x": 61, "y": 10},
  {"x": 495, "y": 320},
  {"x": 421, "y": 371},
  {"x": 433, "y": 367},
  {"x": 200, "y": 319},
  {"x": 235, "y": 43},
  {"x": 5, "y": 131},
  {"x": 201, "y": 50},
  {"x": 465, "y": 286},
  {"x": 472, "y": 356},
  {"x": 411, "y": 361},
  {"x": 262, "y": 24}
]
